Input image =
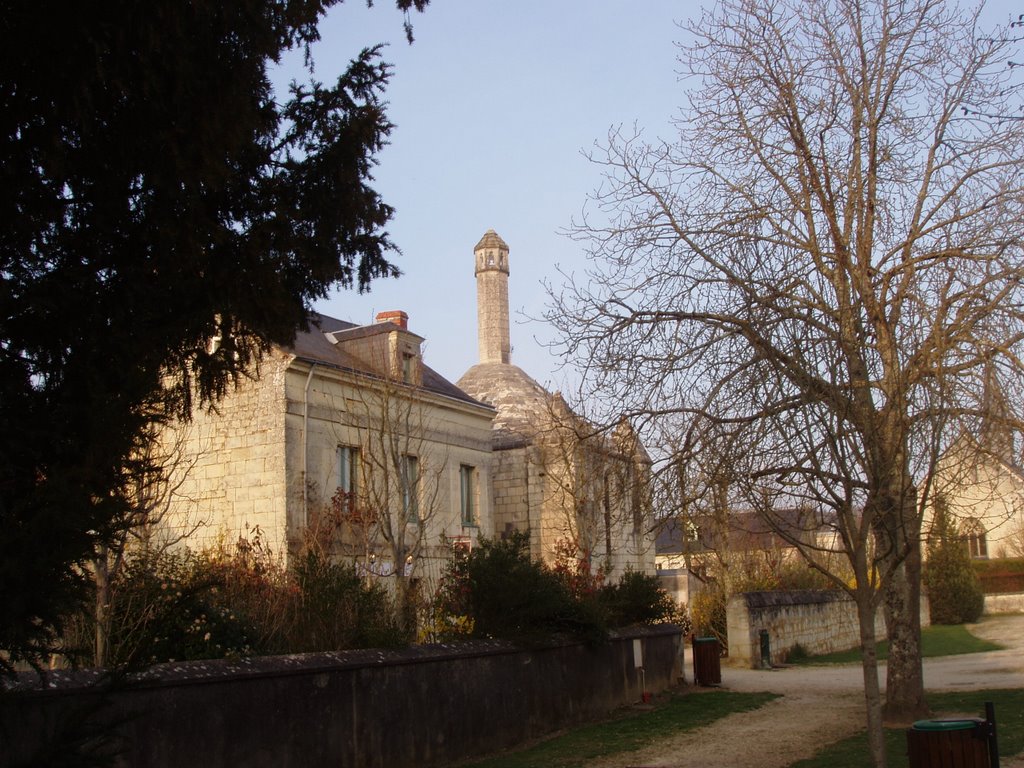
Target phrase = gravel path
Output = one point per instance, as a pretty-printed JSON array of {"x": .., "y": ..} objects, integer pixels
[{"x": 820, "y": 705}]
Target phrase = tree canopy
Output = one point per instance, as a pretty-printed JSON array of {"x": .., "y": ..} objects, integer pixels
[
  {"x": 814, "y": 274},
  {"x": 167, "y": 218}
]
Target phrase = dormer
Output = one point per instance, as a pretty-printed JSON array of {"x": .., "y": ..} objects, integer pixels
[
  {"x": 386, "y": 348},
  {"x": 404, "y": 349}
]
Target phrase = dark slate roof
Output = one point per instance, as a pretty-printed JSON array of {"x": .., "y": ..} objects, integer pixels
[
  {"x": 745, "y": 530},
  {"x": 314, "y": 346}
]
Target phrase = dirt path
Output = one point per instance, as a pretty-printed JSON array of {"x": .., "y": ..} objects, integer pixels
[{"x": 820, "y": 705}]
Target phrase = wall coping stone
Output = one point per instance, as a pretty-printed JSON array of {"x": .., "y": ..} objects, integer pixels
[
  {"x": 793, "y": 597},
  {"x": 206, "y": 671}
]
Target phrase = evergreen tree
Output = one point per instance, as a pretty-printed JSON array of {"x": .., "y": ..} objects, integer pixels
[
  {"x": 954, "y": 592},
  {"x": 166, "y": 220}
]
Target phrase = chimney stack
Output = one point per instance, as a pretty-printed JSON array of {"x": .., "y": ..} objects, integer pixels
[{"x": 396, "y": 316}]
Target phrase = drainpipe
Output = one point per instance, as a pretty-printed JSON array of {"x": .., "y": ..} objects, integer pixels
[{"x": 305, "y": 446}]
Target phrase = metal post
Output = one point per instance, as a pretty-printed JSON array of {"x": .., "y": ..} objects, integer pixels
[{"x": 993, "y": 741}]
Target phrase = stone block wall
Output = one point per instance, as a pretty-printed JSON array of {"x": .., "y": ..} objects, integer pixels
[
  {"x": 1005, "y": 603},
  {"x": 424, "y": 706},
  {"x": 820, "y": 622},
  {"x": 227, "y": 468}
]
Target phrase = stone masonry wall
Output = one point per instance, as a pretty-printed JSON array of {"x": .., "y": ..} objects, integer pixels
[
  {"x": 228, "y": 467},
  {"x": 820, "y": 622},
  {"x": 334, "y": 408},
  {"x": 1012, "y": 602}
]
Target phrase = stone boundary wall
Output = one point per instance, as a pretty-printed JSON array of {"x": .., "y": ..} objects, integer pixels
[
  {"x": 422, "y": 706},
  {"x": 1012, "y": 602},
  {"x": 820, "y": 622}
]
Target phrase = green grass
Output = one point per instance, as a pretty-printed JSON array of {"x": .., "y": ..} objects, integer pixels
[
  {"x": 676, "y": 713},
  {"x": 938, "y": 640},
  {"x": 1009, "y": 704},
  {"x": 629, "y": 731}
]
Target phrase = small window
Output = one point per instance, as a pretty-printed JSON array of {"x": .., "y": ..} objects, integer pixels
[
  {"x": 408, "y": 369},
  {"x": 467, "y": 484},
  {"x": 410, "y": 488}
]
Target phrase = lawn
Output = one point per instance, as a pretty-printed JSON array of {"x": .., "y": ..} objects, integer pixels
[
  {"x": 1009, "y": 707},
  {"x": 675, "y": 713},
  {"x": 630, "y": 730},
  {"x": 937, "y": 640}
]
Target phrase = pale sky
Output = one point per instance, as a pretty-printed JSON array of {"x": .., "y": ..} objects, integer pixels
[{"x": 493, "y": 104}]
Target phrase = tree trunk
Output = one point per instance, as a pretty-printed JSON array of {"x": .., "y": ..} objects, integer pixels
[
  {"x": 869, "y": 664},
  {"x": 904, "y": 684},
  {"x": 405, "y": 598},
  {"x": 102, "y": 608},
  {"x": 898, "y": 543}
]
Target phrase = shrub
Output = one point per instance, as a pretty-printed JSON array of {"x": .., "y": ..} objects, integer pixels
[
  {"x": 639, "y": 599},
  {"x": 514, "y": 597},
  {"x": 954, "y": 594},
  {"x": 707, "y": 610},
  {"x": 797, "y": 655},
  {"x": 575, "y": 572},
  {"x": 232, "y": 601},
  {"x": 797, "y": 574},
  {"x": 164, "y": 608},
  {"x": 1001, "y": 575},
  {"x": 498, "y": 591},
  {"x": 336, "y": 609}
]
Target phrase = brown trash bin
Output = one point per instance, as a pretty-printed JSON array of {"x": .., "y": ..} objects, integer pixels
[
  {"x": 948, "y": 744},
  {"x": 707, "y": 661}
]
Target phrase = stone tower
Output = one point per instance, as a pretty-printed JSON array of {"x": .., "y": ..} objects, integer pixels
[
  {"x": 492, "y": 298},
  {"x": 538, "y": 461}
]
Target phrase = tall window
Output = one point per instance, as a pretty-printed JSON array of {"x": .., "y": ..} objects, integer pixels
[
  {"x": 348, "y": 475},
  {"x": 348, "y": 469},
  {"x": 974, "y": 535},
  {"x": 411, "y": 488},
  {"x": 467, "y": 483}
]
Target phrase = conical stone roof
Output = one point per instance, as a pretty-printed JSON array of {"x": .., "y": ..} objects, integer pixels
[
  {"x": 491, "y": 239},
  {"x": 523, "y": 406}
]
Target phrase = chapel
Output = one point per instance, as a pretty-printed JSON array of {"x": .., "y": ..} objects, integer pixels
[{"x": 581, "y": 491}]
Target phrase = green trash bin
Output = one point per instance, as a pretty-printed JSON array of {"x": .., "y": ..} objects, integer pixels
[
  {"x": 707, "y": 661},
  {"x": 949, "y": 743}
]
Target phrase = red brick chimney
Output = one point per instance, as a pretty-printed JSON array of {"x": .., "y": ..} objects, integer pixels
[{"x": 396, "y": 316}]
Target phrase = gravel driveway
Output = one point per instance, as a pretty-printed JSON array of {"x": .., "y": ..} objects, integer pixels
[{"x": 821, "y": 705}]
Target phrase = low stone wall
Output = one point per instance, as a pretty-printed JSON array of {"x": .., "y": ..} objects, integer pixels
[
  {"x": 424, "y": 706},
  {"x": 1011, "y": 602},
  {"x": 820, "y": 622}
]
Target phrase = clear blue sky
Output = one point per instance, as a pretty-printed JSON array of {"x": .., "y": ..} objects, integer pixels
[{"x": 493, "y": 104}]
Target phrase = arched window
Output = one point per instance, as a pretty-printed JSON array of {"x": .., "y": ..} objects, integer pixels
[{"x": 974, "y": 537}]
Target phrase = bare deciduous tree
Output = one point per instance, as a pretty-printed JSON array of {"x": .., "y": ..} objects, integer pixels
[
  {"x": 394, "y": 497},
  {"x": 822, "y": 263},
  {"x": 154, "y": 482},
  {"x": 598, "y": 481}
]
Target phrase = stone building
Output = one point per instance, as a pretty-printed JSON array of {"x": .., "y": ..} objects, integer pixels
[
  {"x": 578, "y": 490},
  {"x": 981, "y": 480},
  {"x": 347, "y": 439},
  {"x": 984, "y": 493}
]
